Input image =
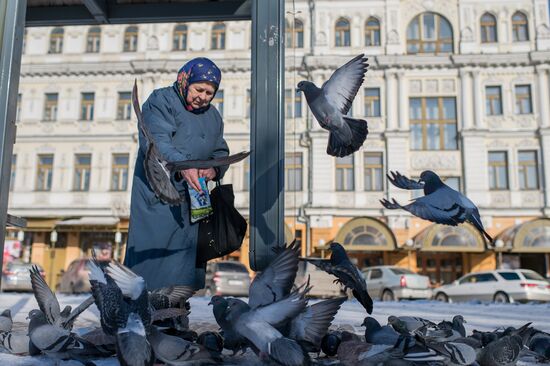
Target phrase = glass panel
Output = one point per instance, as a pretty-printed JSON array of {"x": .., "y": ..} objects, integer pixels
[
  {"x": 432, "y": 108},
  {"x": 428, "y": 26}
]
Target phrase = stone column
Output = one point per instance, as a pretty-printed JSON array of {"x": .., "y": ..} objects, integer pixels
[
  {"x": 544, "y": 101},
  {"x": 391, "y": 105},
  {"x": 478, "y": 101},
  {"x": 466, "y": 98},
  {"x": 403, "y": 90}
]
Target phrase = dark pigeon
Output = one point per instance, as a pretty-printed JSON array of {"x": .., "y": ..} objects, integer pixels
[
  {"x": 232, "y": 340},
  {"x": 177, "y": 351},
  {"x": 330, "y": 343},
  {"x": 502, "y": 352},
  {"x": 158, "y": 170},
  {"x": 378, "y": 334},
  {"x": 347, "y": 274},
  {"x": 457, "y": 324},
  {"x": 212, "y": 341},
  {"x": 440, "y": 204},
  {"x": 47, "y": 301},
  {"x": 330, "y": 104},
  {"x": 6, "y": 321}
]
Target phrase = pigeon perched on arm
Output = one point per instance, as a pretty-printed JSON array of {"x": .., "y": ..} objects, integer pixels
[
  {"x": 440, "y": 204},
  {"x": 346, "y": 272},
  {"x": 49, "y": 305},
  {"x": 330, "y": 104}
]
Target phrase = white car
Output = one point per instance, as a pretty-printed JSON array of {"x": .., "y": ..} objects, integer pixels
[
  {"x": 390, "y": 283},
  {"x": 498, "y": 286}
]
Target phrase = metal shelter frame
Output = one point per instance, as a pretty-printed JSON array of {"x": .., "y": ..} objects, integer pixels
[{"x": 267, "y": 127}]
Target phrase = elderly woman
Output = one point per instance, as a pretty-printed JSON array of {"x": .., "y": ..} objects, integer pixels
[{"x": 162, "y": 242}]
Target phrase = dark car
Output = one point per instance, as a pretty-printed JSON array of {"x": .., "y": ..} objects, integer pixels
[
  {"x": 226, "y": 278},
  {"x": 16, "y": 276},
  {"x": 75, "y": 279}
]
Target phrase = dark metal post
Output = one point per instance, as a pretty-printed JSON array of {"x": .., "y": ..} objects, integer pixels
[
  {"x": 267, "y": 137},
  {"x": 12, "y": 26}
]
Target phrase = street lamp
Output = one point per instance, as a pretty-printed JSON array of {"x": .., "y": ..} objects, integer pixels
[
  {"x": 118, "y": 240},
  {"x": 53, "y": 240}
]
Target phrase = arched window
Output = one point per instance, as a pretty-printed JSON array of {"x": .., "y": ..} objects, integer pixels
[
  {"x": 367, "y": 234},
  {"x": 180, "y": 38},
  {"x": 93, "y": 40},
  {"x": 372, "y": 32},
  {"x": 218, "y": 37},
  {"x": 488, "y": 28},
  {"x": 130, "y": 39},
  {"x": 429, "y": 33},
  {"x": 342, "y": 33},
  {"x": 520, "y": 30},
  {"x": 56, "y": 40},
  {"x": 295, "y": 35}
]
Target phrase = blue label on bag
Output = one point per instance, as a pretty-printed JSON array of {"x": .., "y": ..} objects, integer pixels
[{"x": 200, "y": 201}]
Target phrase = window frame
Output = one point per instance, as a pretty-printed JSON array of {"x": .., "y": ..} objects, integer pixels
[
  {"x": 130, "y": 39},
  {"x": 340, "y": 33},
  {"x": 294, "y": 34},
  {"x": 296, "y": 168},
  {"x": 93, "y": 40},
  {"x": 371, "y": 101},
  {"x": 124, "y": 107},
  {"x": 519, "y": 98},
  {"x": 121, "y": 171},
  {"x": 523, "y": 170},
  {"x": 490, "y": 98},
  {"x": 217, "y": 36},
  {"x": 372, "y": 168},
  {"x": 517, "y": 25},
  {"x": 87, "y": 106},
  {"x": 485, "y": 27},
  {"x": 56, "y": 41},
  {"x": 441, "y": 122},
  {"x": 494, "y": 166},
  {"x": 421, "y": 43},
  {"x": 44, "y": 170},
  {"x": 179, "y": 37},
  {"x": 82, "y": 173},
  {"x": 49, "y": 114},
  {"x": 372, "y": 33},
  {"x": 344, "y": 167}
]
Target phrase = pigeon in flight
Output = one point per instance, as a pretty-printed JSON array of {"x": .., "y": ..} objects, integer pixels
[
  {"x": 346, "y": 272},
  {"x": 47, "y": 301},
  {"x": 158, "y": 170},
  {"x": 440, "y": 204},
  {"x": 330, "y": 104}
]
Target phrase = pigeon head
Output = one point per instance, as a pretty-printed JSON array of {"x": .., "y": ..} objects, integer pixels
[
  {"x": 37, "y": 318},
  {"x": 459, "y": 319},
  {"x": 330, "y": 343},
  {"x": 338, "y": 253},
  {"x": 134, "y": 324},
  {"x": 430, "y": 178},
  {"x": 371, "y": 324},
  {"x": 219, "y": 307},
  {"x": 7, "y": 313},
  {"x": 235, "y": 309},
  {"x": 305, "y": 86}
]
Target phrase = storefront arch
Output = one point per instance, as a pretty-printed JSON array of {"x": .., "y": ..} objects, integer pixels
[{"x": 366, "y": 234}]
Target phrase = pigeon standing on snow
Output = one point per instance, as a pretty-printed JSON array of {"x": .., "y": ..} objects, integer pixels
[
  {"x": 330, "y": 104},
  {"x": 47, "y": 301},
  {"x": 440, "y": 204},
  {"x": 347, "y": 274}
]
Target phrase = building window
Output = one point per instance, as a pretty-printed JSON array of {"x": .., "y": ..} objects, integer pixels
[
  {"x": 50, "y": 107},
  {"x": 372, "y": 32},
  {"x": 18, "y": 108},
  {"x": 124, "y": 106},
  {"x": 130, "y": 39},
  {"x": 295, "y": 35},
  {"x": 520, "y": 31},
  {"x": 498, "y": 170},
  {"x": 345, "y": 176},
  {"x": 433, "y": 123},
  {"x": 180, "y": 38},
  {"x": 82, "y": 170},
  {"x": 527, "y": 170},
  {"x": 93, "y": 41},
  {"x": 119, "y": 172},
  {"x": 56, "y": 40},
  {"x": 248, "y": 105},
  {"x": 218, "y": 37},
  {"x": 342, "y": 33},
  {"x": 374, "y": 170},
  {"x": 293, "y": 100},
  {"x": 218, "y": 101},
  {"x": 523, "y": 99},
  {"x": 87, "y": 106},
  {"x": 293, "y": 171},
  {"x": 44, "y": 171},
  {"x": 372, "y": 102},
  {"x": 13, "y": 170},
  {"x": 493, "y": 101},
  {"x": 429, "y": 33},
  {"x": 488, "y": 28},
  {"x": 246, "y": 174}
]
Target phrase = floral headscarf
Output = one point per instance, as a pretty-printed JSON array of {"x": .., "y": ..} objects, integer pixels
[{"x": 197, "y": 70}]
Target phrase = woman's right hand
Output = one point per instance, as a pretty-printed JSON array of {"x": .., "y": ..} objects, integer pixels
[{"x": 192, "y": 178}]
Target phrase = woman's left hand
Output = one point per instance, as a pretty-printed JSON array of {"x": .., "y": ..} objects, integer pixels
[{"x": 209, "y": 173}]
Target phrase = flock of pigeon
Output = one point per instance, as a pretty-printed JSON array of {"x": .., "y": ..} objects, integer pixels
[{"x": 278, "y": 324}]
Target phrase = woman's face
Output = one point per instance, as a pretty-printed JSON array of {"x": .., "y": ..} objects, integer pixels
[{"x": 199, "y": 95}]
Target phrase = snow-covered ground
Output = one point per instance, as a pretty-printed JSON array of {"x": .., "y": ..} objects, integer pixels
[{"x": 479, "y": 316}]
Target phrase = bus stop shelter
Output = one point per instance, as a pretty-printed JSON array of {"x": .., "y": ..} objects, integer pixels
[{"x": 267, "y": 64}]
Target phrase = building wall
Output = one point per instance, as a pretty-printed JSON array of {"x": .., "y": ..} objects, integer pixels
[{"x": 318, "y": 209}]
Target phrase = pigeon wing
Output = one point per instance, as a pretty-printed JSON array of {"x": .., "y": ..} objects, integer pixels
[
  {"x": 281, "y": 311},
  {"x": 130, "y": 284},
  {"x": 167, "y": 297},
  {"x": 175, "y": 166},
  {"x": 46, "y": 299},
  {"x": 437, "y": 207},
  {"x": 343, "y": 85},
  {"x": 68, "y": 323},
  {"x": 276, "y": 280},
  {"x": 401, "y": 181}
]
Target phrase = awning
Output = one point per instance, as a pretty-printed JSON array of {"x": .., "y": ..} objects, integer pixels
[
  {"x": 444, "y": 238},
  {"x": 366, "y": 234},
  {"x": 40, "y": 224},
  {"x": 87, "y": 222},
  {"x": 529, "y": 237}
]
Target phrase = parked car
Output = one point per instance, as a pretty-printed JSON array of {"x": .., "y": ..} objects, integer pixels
[
  {"x": 323, "y": 285},
  {"x": 389, "y": 283},
  {"x": 16, "y": 276},
  {"x": 226, "y": 278},
  {"x": 75, "y": 279},
  {"x": 498, "y": 286}
]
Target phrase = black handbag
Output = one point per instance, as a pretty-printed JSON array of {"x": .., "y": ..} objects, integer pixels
[{"x": 222, "y": 232}]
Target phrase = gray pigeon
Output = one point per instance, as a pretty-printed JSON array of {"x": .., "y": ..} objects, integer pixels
[
  {"x": 502, "y": 352},
  {"x": 351, "y": 349},
  {"x": 232, "y": 340},
  {"x": 330, "y": 104},
  {"x": 177, "y": 351},
  {"x": 47, "y": 301},
  {"x": 16, "y": 343},
  {"x": 440, "y": 204},
  {"x": 407, "y": 324},
  {"x": 258, "y": 327},
  {"x": 457, "y": 324},
  {"x": 378, "y": 334},
  {"x": 6, "y": 321},
  {"x": 347, "y": 274},
  {"x": 158, "y": 170},
  {"x": 58, "y": 342}
]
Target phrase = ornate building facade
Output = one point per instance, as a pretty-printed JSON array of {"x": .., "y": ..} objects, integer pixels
[{"x": 460, "y": 89}]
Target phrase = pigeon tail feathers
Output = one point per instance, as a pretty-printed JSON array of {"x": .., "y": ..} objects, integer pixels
[
  {"x": 287, "y": 352},
  {"x": 359, "y": 131}
]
